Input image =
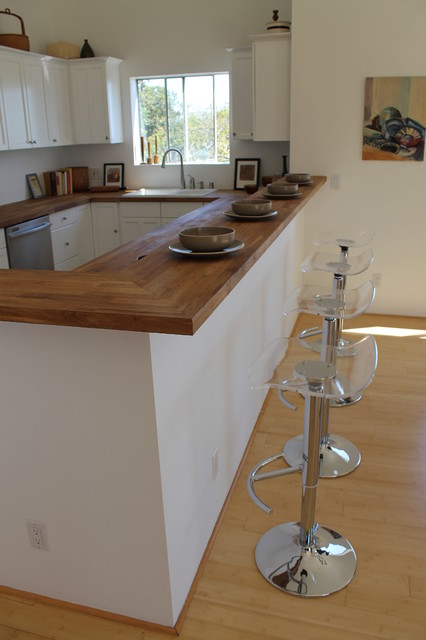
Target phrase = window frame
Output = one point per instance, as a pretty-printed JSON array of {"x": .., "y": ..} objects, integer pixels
[{"x": 135, "y": 114}]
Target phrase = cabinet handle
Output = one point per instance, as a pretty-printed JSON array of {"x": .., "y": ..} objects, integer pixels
[
  {"x": 34, "y": 141},
  {"x": 54, "y": 140},
  {"x": 115, "y": 230},
  {"x": 64, "y": 218},
  {"x": 67, "y": 244}
]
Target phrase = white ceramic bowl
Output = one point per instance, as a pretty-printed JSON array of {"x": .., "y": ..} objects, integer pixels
[
  {"x": 282, "y": 188},
  {"x": 298, "y": 177},
  {"x": 206, "y": 238},
  {"x": 252, "y": 207}
]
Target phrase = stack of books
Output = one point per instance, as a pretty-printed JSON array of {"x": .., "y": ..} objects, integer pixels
[{"x": 58, "y": 183}]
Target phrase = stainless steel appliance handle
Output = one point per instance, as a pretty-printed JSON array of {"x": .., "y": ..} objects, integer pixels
[{"x": 18, "y": 234}]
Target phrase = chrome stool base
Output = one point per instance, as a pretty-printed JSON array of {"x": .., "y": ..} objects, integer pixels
[
  {"x": 317, "y": 570},
  {"x": 338, "y": 456}
]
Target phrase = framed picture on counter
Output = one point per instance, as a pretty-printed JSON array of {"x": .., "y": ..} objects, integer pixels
[
  {"x": 114, "y": 175},
  {"x": 34, "y": 185},
  {"x": 246, "y": 172}
]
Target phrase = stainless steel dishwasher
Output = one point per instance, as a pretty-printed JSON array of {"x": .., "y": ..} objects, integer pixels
[{"x": 29, "y": 244}]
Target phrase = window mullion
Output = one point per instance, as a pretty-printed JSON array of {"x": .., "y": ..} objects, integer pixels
[{"x": 167, "y": 113}]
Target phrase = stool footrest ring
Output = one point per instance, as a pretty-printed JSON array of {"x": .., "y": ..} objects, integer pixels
[{"x": 255, "y": 476}]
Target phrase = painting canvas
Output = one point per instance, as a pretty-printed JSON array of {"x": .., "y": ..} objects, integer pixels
[{"x": 394, "y": 118}]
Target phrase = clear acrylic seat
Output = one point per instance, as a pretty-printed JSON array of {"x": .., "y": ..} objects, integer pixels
[
  {"x": 345, "y": 240},
  {"x": 306, "y": 558},
  {"x": 339, "y": 265},
  {"x": 330, "y": 302}
]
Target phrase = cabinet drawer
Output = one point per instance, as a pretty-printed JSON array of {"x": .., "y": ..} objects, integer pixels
[
  {"x": 65, "y": 243},
  {"x": 64, "y": 218},
  {"x": 68, "y": 265}
]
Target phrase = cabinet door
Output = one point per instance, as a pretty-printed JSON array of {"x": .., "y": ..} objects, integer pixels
[
  {"x": 132, "y": 228},
  {"x": 3, "y": 136},
  {"x": 96, "y": 101},
  {"x": 271, "y": 83},
  {"x": 17, "y": 126},
  {"x": 36, "y": 102},
  {"x": 242, "y": 94},
  {"x": 58, "y": 104},
  {"x": 106, "y": 235}
]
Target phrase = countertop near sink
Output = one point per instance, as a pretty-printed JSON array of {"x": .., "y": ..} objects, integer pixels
[
  {"x": 17, "y": 212},
  {"x": 143, "y": 286}
]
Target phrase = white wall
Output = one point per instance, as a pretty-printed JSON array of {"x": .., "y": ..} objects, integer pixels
[
  {"x": 79, "y": 452},
  {"x": 151, "y": 38},
  {"x": 336, "y": 44}
]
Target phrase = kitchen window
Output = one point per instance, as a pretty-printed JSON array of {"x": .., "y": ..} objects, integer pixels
[{"x": 189, "y": 112}]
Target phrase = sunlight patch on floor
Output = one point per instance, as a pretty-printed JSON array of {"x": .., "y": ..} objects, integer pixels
[{"x": 389, "y": 331}]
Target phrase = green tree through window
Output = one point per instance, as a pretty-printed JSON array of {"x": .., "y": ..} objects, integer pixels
[{"x": 190, "y": 113}]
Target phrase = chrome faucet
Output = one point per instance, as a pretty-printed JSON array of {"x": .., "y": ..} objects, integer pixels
[{"x": 182, "y": 175}]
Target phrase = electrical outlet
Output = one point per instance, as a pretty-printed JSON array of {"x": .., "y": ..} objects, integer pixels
[
  {"x": 37, "y": 532},
  {"x": 215, "y": 464},
  {"x": 377, "y": 280},
  {"x": 95, "y": 173}
]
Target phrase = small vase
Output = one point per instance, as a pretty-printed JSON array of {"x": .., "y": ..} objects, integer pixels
[
  {"x": 86, "y": 51},
  {"x": 285, "y": 169}
]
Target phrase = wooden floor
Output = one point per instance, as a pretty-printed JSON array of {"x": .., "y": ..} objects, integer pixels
[{"x": 380, "y": 508}]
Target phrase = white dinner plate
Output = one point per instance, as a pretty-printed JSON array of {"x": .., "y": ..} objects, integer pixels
[
  {"x": 177, "y": 247},
  {"x": 241, "y": 216}
]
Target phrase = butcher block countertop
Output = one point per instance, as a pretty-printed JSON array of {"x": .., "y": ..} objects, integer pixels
[{"x": 143, "y": 286}]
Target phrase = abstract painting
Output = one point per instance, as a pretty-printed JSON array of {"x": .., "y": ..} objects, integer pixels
[{"x": 394, "y": 118}]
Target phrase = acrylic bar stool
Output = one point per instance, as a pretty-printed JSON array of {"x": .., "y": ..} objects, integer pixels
[
  {"x": 338, "y": 455},
  {"x": 305, "y": 558},
  {"x": 341, "y": 267}
]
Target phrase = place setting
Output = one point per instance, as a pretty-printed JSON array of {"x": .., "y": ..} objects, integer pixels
[
  {"x": 206, "y": 242},
  {"x": 288, "y": 187},
  {"x": 251, "y": 209}
]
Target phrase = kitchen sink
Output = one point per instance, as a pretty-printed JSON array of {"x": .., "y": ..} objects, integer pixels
[{"x": 156, "y": 192}]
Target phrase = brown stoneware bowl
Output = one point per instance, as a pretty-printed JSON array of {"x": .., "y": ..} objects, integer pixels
[
  {"x": 207, "y": 238},
  {"x": 298, "y": 177},
  {"x": 250, "y": 188},
  {"x": 282, "y": 188},
  {"x": 251, "y": 207}
]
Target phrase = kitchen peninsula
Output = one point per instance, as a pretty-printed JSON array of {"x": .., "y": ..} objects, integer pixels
[{"x": 121, "y": 381}]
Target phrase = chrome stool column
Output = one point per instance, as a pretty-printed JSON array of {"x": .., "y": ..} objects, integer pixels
[
  {"x": 338, "y": 455},
  {"x": 305, "y": 558}
]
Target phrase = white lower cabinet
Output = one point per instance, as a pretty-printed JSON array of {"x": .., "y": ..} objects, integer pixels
[
  {"x": 173, "y": 210},
  {"x": 106, "y": 228},
  {"x": 4, "y": 262},
  {"x": 72, "y": 239},
  {"x": 136, "y": 219}
]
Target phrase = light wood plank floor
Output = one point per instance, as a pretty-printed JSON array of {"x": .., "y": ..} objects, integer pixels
[{"x": 380, "y": 508}]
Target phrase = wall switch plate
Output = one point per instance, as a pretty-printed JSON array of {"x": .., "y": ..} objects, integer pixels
[
  {"x": 37, "y": 532},
  {"x": 215, "y": 464},
  {"x": 335, "y": 181}
]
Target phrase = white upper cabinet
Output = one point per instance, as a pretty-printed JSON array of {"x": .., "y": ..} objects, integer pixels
[
  {"x": 242, "y": 93},
  {"x": 58, "y": 103},
  {"x": 24, "y": 102},
  {"x": 3, "y": 136},
  {"x": 96, "y": 100},
  {"x": 271, "y": 86}
]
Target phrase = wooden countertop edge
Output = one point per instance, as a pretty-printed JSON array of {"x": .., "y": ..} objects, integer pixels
[{"x": 102, "y": 295}]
